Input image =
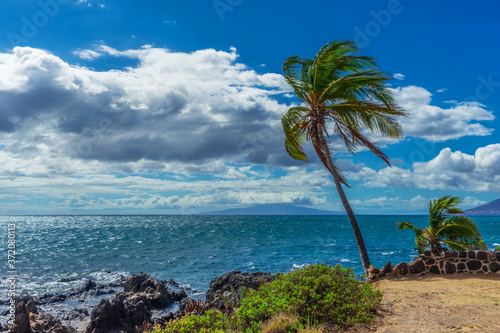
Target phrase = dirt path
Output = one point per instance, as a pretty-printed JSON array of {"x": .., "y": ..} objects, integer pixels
[{"x": 460, "y": 303}]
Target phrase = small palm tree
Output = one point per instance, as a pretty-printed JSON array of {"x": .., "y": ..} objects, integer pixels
[
  {"x": 341, "y": 89},
  {"x": 458, "y": 232}
]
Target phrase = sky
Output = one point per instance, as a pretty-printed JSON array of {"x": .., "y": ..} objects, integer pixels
[{"x": 174, "y": 107}]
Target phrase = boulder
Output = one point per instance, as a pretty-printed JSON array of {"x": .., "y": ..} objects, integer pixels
[
  {"x": 237, "y": 280},
  {"x": 131, "y": 308},
  {"x": 117, "y": 315},
  {"x": 434, "y": 270},
  {"x": 474, "y": 265},
  {"x": 450, "y": 268},
  {"x": 139, "y": 283},
  {"x": 417, "y": 266},
  {"x": 373, "y": 270},
  {"x": 494, "y": 266},
  {"x": 22, "y": 320},
  {"x": 401, "y": 269},
  {"x": 481, "y": 255},
  {"x": 46, "y": 323},
  {"x": 387, "y": 268}
]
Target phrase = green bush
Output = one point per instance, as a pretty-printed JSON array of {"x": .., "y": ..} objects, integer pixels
[
  {"x": 211, "y": 322},
  {"x": 310, "y": 296},
  {"x": 316, "y": 293}
]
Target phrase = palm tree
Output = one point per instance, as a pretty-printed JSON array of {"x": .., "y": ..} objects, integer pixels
[
  {"x": 346, "y": 91},
  {"x": 458, "y": 232}
]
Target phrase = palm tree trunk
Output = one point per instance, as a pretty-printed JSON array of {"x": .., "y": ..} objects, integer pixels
[{"x": 354, "y": 223}]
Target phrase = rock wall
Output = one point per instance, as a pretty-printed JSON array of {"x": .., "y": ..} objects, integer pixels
[{"x": 448, "y": 263}]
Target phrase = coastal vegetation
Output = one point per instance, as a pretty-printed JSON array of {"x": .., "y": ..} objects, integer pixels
[
  {"x": 342, "y": 93},
  {"x": 309, "y": 299},
  {"x": 446, "y": 225}
]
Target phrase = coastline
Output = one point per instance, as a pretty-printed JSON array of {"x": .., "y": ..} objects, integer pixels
[
  {"x": 463, "y": 302},
  {"x": 131, "y": 304}
]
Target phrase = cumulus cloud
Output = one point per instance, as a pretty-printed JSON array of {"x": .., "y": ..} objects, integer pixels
[
  {"x": 417, "y": 204},
  {"x": 185, "y": 107},
  {"x": 87, "y": 54},
  {"x": 188, "y": 202},
  {"x": 447, "y": 171},
  {"x": 199, "y": 124},
  {"x": 439, "y": 124},
  {"x": 398, "y": 76}
]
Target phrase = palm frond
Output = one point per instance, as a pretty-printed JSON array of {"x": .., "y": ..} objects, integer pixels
[
  {"x": 456, "y": 246},
  {"x": 408, "y": 226},
  {"x": 295, "y": 137},
  {"x": 292, "y": 69}
]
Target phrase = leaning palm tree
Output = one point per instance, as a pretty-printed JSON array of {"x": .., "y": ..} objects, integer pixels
[
  {"x": 458, "y": 232},
  {"x": 345, "y": 92}
]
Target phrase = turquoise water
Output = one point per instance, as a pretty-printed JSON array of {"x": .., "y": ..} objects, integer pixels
[{"x": 195, "y": 249}]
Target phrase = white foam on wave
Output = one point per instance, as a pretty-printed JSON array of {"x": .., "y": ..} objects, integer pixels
[
  {"x": 343, "y": 260},
  {"x": 295, "y": 266}
]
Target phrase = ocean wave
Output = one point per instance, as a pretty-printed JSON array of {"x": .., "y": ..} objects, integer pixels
[{"x": 343, "y": 260}]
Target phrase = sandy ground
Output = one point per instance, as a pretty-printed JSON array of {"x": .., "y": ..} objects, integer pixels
[{"x": 460, "y": 303}]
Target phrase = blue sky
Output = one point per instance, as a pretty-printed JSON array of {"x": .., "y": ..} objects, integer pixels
[{"x": 169, "y": 107}]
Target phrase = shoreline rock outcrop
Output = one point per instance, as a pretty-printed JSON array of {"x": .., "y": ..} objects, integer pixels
[
  {"x": 132, "y": 309},
  {"x": 222, "y": 285}
]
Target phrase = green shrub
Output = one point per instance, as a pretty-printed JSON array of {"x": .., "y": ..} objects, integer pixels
[
  {"x": 316, "y": 293},
  {"x": 293, "y": 302},
  {"x": 211, "y": 322}
]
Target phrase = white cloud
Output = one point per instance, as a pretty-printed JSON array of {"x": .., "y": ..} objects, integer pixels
[
  {"x": 471, "y": 202},
  {"x": 203, "y": 100},
  {"x": 417, "y": 204},
  {"x": 438, "y": 124},
  {"x": 87, "y": 54},
  {"x": 441, "y": 90},
  {"x": 398, "y": 76},
  {"x": 447, "y": 171},
  {"x": 198, "y": 203},
  {"x": 170, "y": 118}
]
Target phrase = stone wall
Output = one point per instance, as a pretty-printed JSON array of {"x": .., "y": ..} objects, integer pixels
[{"x": 448, "y": 263}]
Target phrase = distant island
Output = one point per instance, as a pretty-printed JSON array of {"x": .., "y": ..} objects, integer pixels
[
  {"x": 273, "y": 209},
  {"x": 489, "y": 209}
]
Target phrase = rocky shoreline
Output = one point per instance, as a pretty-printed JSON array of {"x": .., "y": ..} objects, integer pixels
[{"x": 130, "y": 305}]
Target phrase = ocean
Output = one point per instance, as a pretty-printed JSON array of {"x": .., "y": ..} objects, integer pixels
[{"x": 193, "y": 250}]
